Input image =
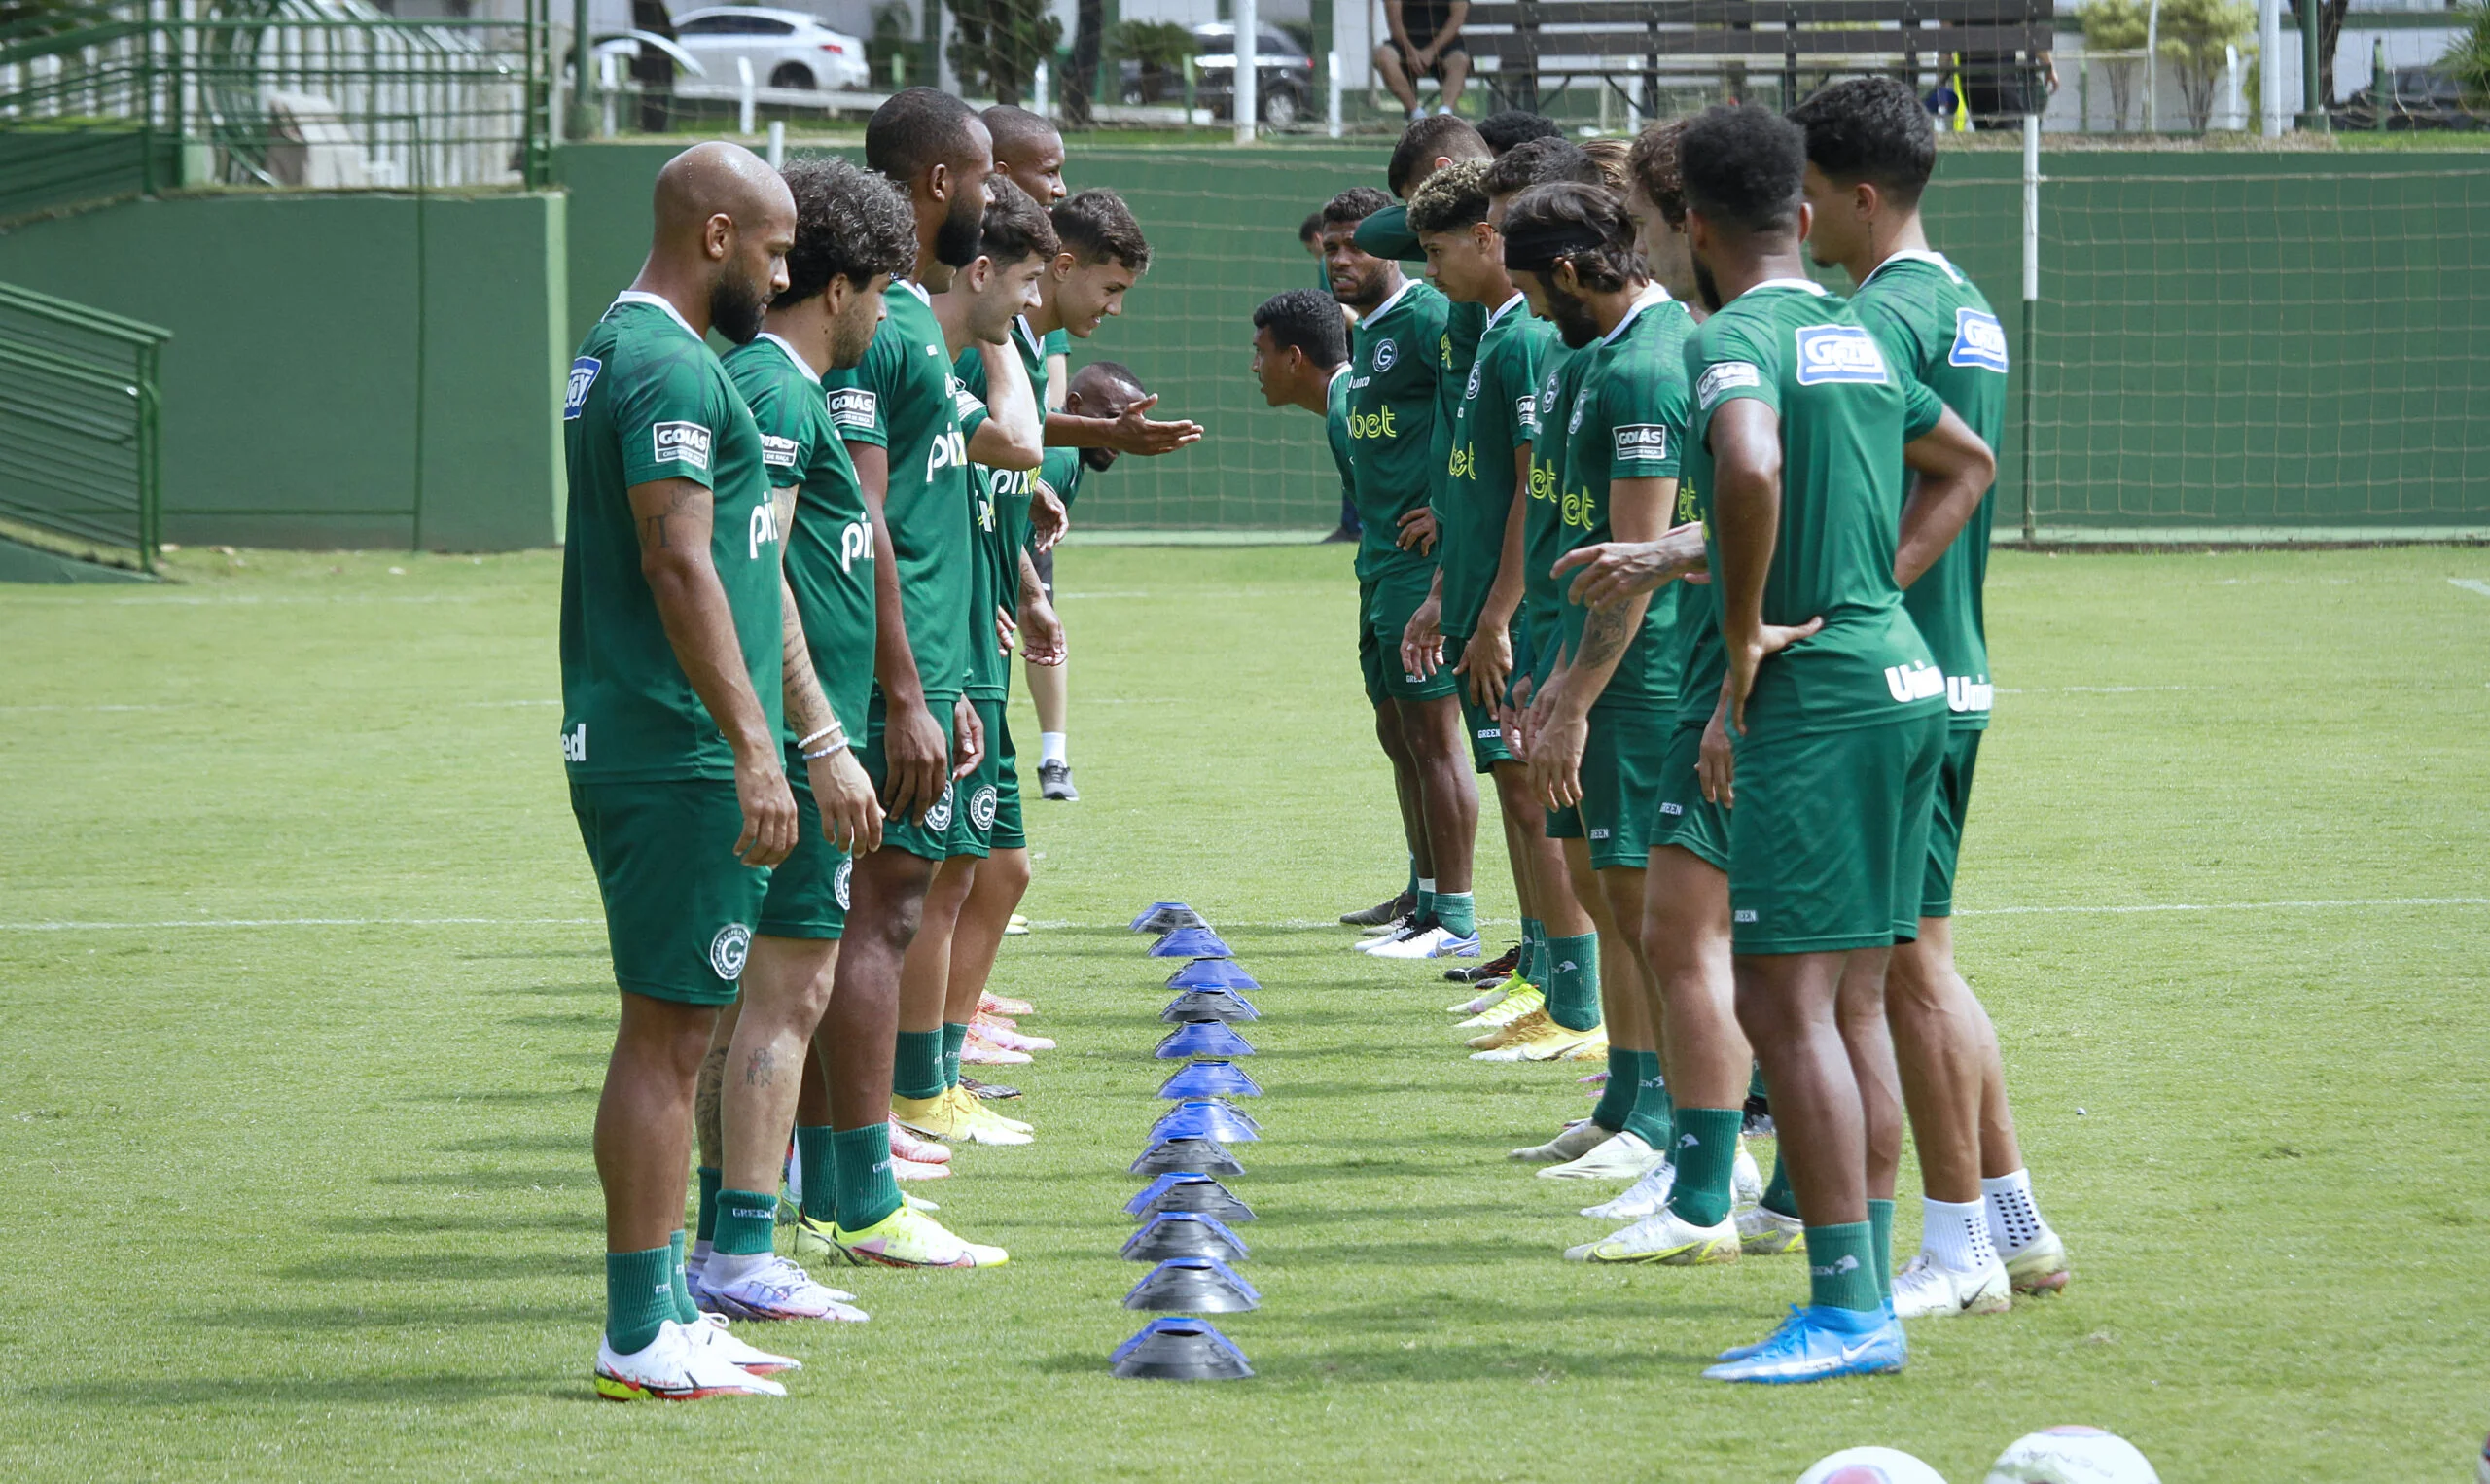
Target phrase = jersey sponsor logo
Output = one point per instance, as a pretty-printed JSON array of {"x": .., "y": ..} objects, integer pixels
[
  {"x": 855, "y": 544},
  {"x": 949, "y": 448},
  {"x": 939, "y": 817},
  {"x": 1578, "y": 507},
  {"x": 1642, "y": 441},
  {"x": 1914, "y": 682},
  {"x": 1386, "y": 354},
  {"x": 853, "y": 407},
  {"x": 1524, "y": 408},
  {"x": 779, "y": 452},
  {"x": 1839, "y": 353},
  {"x": 575, "y": 744},
  {"x": 1444, "y": 344},
  {"x": 582, "y": 376},
  {"x": 1722, "y": 378},
  {"x": 1978, "y": 340},
  {"x": 839, "y": 881},
  {"x": 1376, "y": 424},
  {"x": 1542, "y": 481},
  {"x": 729, "y": 950},
  {"x": 1464, "y": 463},
  {"x": 982, "y": 806},
  {"x": 1964, "y": 694},
  {"x": 682, "y": 442},
  {"x": 985, "y": 510},
  {"x": 762, "y": 530}
]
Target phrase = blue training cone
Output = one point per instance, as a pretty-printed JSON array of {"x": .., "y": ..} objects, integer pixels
[
  {"x": 1191, "y": 943},
  {"x": 1212, "y": 974},
  {"x": 1167, "y": 917},
  {"x": 1206, "y": 1118},
  {"x": 1210, "y": 1080},
  {"x": 1188, "y": 1191},
  {"x": 1202, "y": 1037}
]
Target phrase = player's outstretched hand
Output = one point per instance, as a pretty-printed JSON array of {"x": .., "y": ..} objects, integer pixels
[
  {"x": 968, "y": 730},
  {"x": 917, "y": 762},
  {"x": 1135, "y": 432},
  {"x": 1616, "y": 570},
  {"x": 770, "y": 825},
  {"x": 1049, "y": 520},
  {"x": 1042, "y": 641},
  {"x": 1422, "y": 639},
  {"x": 851, "y": 816},
  {"x": 1417, "y": 531},
  {"x": 1487, "y": 660}
]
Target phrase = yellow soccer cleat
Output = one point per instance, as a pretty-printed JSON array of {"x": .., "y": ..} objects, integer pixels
[
  {"x": 908, "y": 1238},
  {"x": 976, "y": 1108},
  {"x": 1536, "y": 1038},
  {"x": 1593, "y": 1049},
  {"x": 1512, "y": 1007},
  {"x": 1513, "y": 1030},
  {"x": 936, "y": 1118}
]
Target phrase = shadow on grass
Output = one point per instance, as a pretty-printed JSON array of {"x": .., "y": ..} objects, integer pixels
[
  {"x": 344, "y": 1319},
  {"x": 505, "y": 1096},
  {"x": 292, "y": 1393},
  {"x": 574, "y": 1145},
  {"x": 439, "y": 1225},
  {"x": 495, "y": 1179},
  {"x": 416, "y": 1267},
  {"x": 1439, "y": 1364},
  {"x": 602, "y": 989},
  {"x": 570, "y": 1020}
]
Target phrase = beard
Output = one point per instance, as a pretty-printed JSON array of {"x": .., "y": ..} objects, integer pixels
[
  {"x": 849, "y": 342},
  {"x": 1097, "y": 459},
  {"x": 1705, "y": 287},
  {"x": 737, "y": 305},
  {"x": 955, "y": 241},
  {"x": 1572, "y": 318}
]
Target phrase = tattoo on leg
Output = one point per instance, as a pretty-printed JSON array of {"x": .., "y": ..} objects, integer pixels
[{"x": 762, "y": 1071}]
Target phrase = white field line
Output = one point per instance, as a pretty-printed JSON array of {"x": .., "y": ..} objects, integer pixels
[{"x": 2471, "y": 585}]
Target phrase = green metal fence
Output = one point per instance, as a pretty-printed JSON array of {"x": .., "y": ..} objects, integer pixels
[{"x": 80, "y": 462}]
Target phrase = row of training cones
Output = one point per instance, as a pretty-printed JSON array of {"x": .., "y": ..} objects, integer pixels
[{"x": 1187, "y": 1218}]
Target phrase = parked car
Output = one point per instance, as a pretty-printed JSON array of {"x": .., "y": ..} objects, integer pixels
[
  {"x": 1284, "y": 76},
  {"x": 2416, "y": 98},
  {"x": 787, "y": 49}
]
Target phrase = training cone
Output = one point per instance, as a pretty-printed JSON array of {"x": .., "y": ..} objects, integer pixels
[
  {"x": 1191, "y": 943},
  {"x": 1200, "y": 1156},
  {"x": 1188, "y": 1191},
  {"x": 1184, "y": 1234},
  {"x": 1212, "y": 974},
  {"x": 1210, "y": 1080},
  {"x": 1194, "y": 1285},
  {"x": 1202, "y": 1037},
  {"x": 1180, "y": 1349},
  {"x": 1167, "y": 917},
  {"x": 1209, "y": 1004},
  {"x": 1206, "y": 1118}
]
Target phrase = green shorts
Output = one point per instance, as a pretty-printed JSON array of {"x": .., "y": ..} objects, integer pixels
[
  {"x": 1829, "y": 841},
  {"x": 1487, "y": 734},
  {"x": 980, "y": 794},
  {"x": 1687, "y": 819},
  {"x": 808, "y": 890},
  {"x": 1384, "y": 607},
  {"x": 1946, "y": 822},
  {"x": 1008, "y": 834},
  {"x": 1620, "y": 777},
  {"x": 928, "y": 839},
  {"x": 679, "y": 907}
]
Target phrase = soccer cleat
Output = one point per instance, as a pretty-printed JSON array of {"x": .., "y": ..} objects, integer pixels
[
  {"x": 981, "y": 1124},
  {"x": 1789, "y": 1321},
  {"x": 1664, "y": 1237},
  {"x": 1591, "y": 1050},
  {"x": 1384, "y": 932},
  {"x": 908, "y": 1238},
  {"x": 1578, "y": 1139},
  {"x": 1746, "y": 1181},
  {"x": 1010, "y": 1039},
  {"x": 1543, "y": 1042},
  {"x": 1504, "y": 1013},
  {"x": 1015, "y": 926},
  {"x": 2041, "y": 1267},
  {"x": 933, "y": 1118},
  {"x": 977, "y": 1108},
  {"x": 1055, "y": 781},
  {"x": 711, "y": 1332},
  {"x": 1501, "y": 966},
  {"x": 1487, "y": 999},
  {"x": 1764, "y": 1232},
  {"x": 988, "y": 1092},
  {"x": 675, "y": 1366},
  {"x": 1434, "y": 941},
  {"x": 1926, "y": 1289},
  {"x": 1756, "y": 1120},
  {"x": 1645, "y": 1195},
  {"x": 1503, "y": 1028},
  {"x": 1004, "y": 1005},
  {"x": 909, "y": 1169},
  {"x": 779, "y": 1290},
  {"x": 906, "y": 1145},
  {"x": 1822, "y": 1344},
  {"x": 980, "y": 1050},
  {"x": 918, "y": 1203},
  {"x": 1389, "y": 911},
  {"x": 1619, "y": 1157}
]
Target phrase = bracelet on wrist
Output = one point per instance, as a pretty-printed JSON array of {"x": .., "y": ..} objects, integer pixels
[{"x": 805, "y": 742}]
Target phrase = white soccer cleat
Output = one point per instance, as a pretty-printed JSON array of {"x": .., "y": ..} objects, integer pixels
[
  {"x": 2040, "y": 1267},
  {"x": 1485, "y": 999},
  {"x": 1434, "y": 943},
  {"x": 779, "y": 1290},
  {"x": 1649, "y": 1194},
  {"x": 1763, "y": 1231},
  {"x": 711, "y": 1332},
  {"x": 675, "y": 1368},
  {"x": 1394, "y": 929},
  {"x": 1746, "y": 1181},
  {"x": 1663, "y": 1236},
  {"x": 1926, "y": 1289},
  {"x": 1621, "y": 1156},
  {"x": 1578, "y": 1139}
]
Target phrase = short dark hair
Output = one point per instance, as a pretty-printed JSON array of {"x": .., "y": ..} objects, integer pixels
[
  {"x": 1870, "y": 128},
  {"x": 1538, "y": 162},
  {"x": 916, "y": 129},
  {"x": 1312, "y": 227},
  {"x": 1355, "y": 204},
  {"x": 1452, "y": 199},
  {"x": 1095, "y": 225},
  {"x": 1586, "y": 225},
  {"x": 849, "y": 222},
  {"x": 1437, "y": 135},
  {"x": 1309, "y": 321},
  {"x": 1745, "y": 167},
  {"x": 1652, "y": 166},
  {"x": 1015, "y": 227},
  {"x": 1012, "y": 127},
  {"x": 1503, "y": 130},
  {"x": 1116, "y": 371}
]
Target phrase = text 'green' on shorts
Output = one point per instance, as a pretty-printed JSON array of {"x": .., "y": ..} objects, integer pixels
[
  {"x": 1953, "y": 801},
  {"x": 808, "y": 890},
  {"x": 1487, "y": 734},
  {"x": 1620, "y": 780},
  {"x": 679, "y": 907},
  {"x": 1687, "y": 819},
  {"x": 1829, "y": 836},
  {"x": 928, "y": 839}
]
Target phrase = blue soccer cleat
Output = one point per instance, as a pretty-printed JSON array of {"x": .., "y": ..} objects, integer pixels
[{"x": 1818, "y": 1344}]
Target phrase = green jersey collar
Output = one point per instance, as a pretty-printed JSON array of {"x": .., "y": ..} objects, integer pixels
[
  {"x": 1499, "y": 311},
  {"x": 1653, "y": 294},
  {"x": 1385, "y": 307},
  {"x": 799, "y": 363},
  {"x": 643, "y": 297},
  {"x": 1914, "y": 254}
]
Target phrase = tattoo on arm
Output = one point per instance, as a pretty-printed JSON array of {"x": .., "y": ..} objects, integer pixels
[
  {"x": 658, "y": 530},
  {"x": 807, "y": 709},
  {"x": 1605, "y": 633}
]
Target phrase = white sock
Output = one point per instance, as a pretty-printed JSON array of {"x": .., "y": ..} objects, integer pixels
[
  {"x": 700, "y": 1255},
  {"x": 1427, "y": 884},
  {"x": 2014, "y": 1221},
  {"x": 1956, "y": 1234},
  {"x": 1051, "y": 748},
  {"x": 725, "y": 1271}
]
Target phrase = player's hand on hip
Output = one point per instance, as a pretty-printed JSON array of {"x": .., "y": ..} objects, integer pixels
[
  {"x": 1417, "y": 531},
  {"x": 1747, "y": 658},
  {"x": 851, "y": 816},
  {"x": 917, "y": 761},
  {"x": 968, "y": 729},
  {"x": 768, "y": 805}
]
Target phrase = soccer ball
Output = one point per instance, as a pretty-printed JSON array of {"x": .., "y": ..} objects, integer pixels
[
  {"x": 2071, "y": 1456},
  {"x": 1869, "y": 1466}
]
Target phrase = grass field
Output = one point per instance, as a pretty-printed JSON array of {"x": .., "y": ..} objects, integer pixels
[{"x": 307, "y": 1006}]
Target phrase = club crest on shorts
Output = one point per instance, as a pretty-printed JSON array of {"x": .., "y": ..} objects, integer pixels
[
  {"x": 982, "y": 808},
  {"x": 939, "y": 818},
  {"x": 729, "y": 950},
  {"x": 1386, "y": 354},
  {"x": 839, "y": 881}
]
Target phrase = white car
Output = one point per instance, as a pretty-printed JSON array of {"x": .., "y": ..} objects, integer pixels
[{"x": 787, "y": 49}]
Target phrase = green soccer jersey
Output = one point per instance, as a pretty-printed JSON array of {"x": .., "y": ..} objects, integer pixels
[
  {"x": 1456, "y": 351},
  {"x": 1932, "y": 320},
  {"x": 1627, "y": 421},
  {"x": 1062, "y": 473},
  {"x": 1846, "y": 413},
  {"x": 1395, "y": 363},
  {"x": 830, "y": 543},
  {"x": 903, "y": 398},
  {"x": 1543, "y": 529},
  {"x": 1489, "y": 423},
  {"x": 649, "y": 400},
  {"x": 1002, "y": 497}
]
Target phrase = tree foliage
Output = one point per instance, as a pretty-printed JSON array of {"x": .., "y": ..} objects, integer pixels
[
  {"x": 999, "y": 44},
  {"x": 2196, "y": 38}
]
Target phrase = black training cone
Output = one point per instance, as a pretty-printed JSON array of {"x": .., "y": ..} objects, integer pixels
[
  {"x": 1167, "y": 917},
  {"x": 1208, "y": 1005},
  {"x": 1180, "y": 1349},
  {"x": 1185, "y": 1234},
  {"x": 1200, "y": 1156},
  {"x": 1187, "y": 1190},
  {"x": 1194, "y": 1285}
]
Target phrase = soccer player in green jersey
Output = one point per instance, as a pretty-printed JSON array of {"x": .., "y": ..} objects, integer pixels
[
  {"x": 1395, "y": 368},
  {"x": 1832, "y": 722},
  {"x": 1870, "y": 149},
  {"x": 1301, "y": 360},
  {"x": 672, "y": 693}
]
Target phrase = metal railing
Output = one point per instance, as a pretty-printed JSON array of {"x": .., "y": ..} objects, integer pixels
[{"x": 80, "y": 462}]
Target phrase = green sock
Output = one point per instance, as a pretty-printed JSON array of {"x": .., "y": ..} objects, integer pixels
[
  {"x": 1534, "y": 943},
  {"x": 1412, "y": 890},
  {"x": 1616, "y": 1099},
  {"x": 1426, "y": 897},
  {"x": 916, "y": 1072},
  {"x": 816, "y": 1159},
  {"x": 640, "y": 1295},
  {"x": 1778, "y": 1197},
  {"x": 707, "y": 1227},
  {"x": 1458, "y": 911},
  {"x": 1880, "y": 1222},
  {"x": 1707, "y": 1157},
  {"x": 1754, "y": 1082},
  {"x": 685, "y": 1311},
  {"x": 1841, "y": 1268},
  {"x": 868, "y": 1191},
  {"x": 955, "y": 1035},
  {"x": 1573, "y": 981},
  {"x": 746, "y": 1218},
  {"x": 1652, "y": 1113}
]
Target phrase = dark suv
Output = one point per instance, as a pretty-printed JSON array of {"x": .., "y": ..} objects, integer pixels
[
  {"x": 2416, "y": 98},
  {"x": 1284, "y": 76}
]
